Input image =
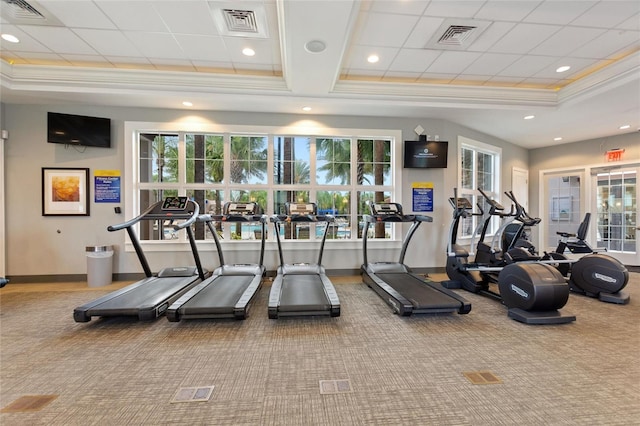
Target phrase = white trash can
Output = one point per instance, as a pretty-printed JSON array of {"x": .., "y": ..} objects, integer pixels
[{"x": 99, "y": 265}]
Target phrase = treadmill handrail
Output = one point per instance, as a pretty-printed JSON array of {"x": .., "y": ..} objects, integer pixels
[
  {"x": 190, "y": 217},
  {"x": 208, "y": 219},
  {"x": 416, "y": 219},
  {"x": 193, "y": 210},
  {"x": 309, "y": 218}
]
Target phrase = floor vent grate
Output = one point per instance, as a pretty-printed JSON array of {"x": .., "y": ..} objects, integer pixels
[
  {"x": 334, "y": 386},
  {"x": 482, "y": 377},
  {"x": 193, "y": 394},
  {"x": 28, "y": 403}
]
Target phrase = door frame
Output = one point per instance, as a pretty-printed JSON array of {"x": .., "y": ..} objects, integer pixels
[
  {"x": 588, "y": 204},
  {"x": 632, "y": 259}
]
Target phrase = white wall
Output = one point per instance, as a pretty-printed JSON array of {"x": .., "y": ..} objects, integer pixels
[{"x": 55, "y": 245}]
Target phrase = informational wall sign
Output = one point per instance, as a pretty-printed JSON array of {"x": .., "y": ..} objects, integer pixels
[
  {"x": 422, "y": 196},
  {"x": 106, "y": 186}
]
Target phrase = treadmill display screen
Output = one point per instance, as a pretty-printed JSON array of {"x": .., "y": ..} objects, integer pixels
[
  {"x": 241, "y": 209},
  {"x": 385, "y": 209},
  {"x": 175, "y": 203},
  {"x": 301, "y": 209}
]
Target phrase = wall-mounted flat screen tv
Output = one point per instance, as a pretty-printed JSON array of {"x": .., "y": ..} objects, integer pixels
[
  {"x": 425, "y": 154},
  {"x": 80, "y": 130}
]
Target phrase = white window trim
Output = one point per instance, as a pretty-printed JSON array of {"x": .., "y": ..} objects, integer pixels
[
  {"x": 306, "y": 128},
  {"x": 475, "y": 145}
]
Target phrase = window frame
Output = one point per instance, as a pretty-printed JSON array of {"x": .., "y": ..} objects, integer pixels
[
  {"x": 474, "y": 194},
  {"x": 132, "y": 186}
]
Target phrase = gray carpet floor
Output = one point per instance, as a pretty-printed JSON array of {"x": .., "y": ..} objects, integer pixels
[{"x": 392, "y": 370}]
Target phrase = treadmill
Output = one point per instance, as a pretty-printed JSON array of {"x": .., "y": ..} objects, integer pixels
[
  {"x": 302, "y": 289},
  {"x": 231, "y": 288},
  {"x": 149, "y": 298},
  {"x": 406, "y": 292}
]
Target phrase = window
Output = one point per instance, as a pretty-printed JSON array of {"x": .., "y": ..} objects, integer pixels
[
  {"x": 479, "y": 168},
  {"x": 340, "y": 171}
]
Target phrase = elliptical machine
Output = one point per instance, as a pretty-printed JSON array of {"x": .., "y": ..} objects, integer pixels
[
  {"x": 595, "y": 274},
  {"x": 532, "y": 292}
]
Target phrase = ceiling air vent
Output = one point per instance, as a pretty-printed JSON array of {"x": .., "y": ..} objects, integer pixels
[
  {"x": 250, "y": 21},
  {"x": 20, "y": 9},
  {"x": 20, "y": 12},
  {"x": 240, "y": 20},
  {"x": 456, "y": 34}
]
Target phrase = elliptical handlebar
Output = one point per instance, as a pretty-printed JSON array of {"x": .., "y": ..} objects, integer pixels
[{"x": 521, "y": 213}]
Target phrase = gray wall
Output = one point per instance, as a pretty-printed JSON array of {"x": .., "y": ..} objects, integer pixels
[
  {"x": 54, "y": 246},
  {"x": 579, "y": 154}
]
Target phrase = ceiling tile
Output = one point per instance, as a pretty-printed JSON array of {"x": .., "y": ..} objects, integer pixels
[
  {"x": 603, "y": 14},
  {"x": 386, "y": 30},
  {"x": 558, "y": 12},
  {"x": 61, "y": 40},
  {"x": 527, "y": 66},
  {"x": 359, "y": 54},
  {"x": 459, "y": 9},
  {"x": 414, "y": 7},
  {"x": 609, "y": 44},
  {"x": 187, "y": 17},
  {"x": 491, "y": 64},
  {"x": 423, "y": 31},
  {"x": 452, "y": 62},
  {"x": 79, "y": 14},
  {"x": 108, "y": 42},
  {"x": 133, "y": 15},
  {"x": 27, "y": 43},
  {"x": 203, "y": 48},
  {"x": 513, "y": 11},
  {"x": 565, "y": 41},
  {"x": 156, "y": 45},
  {"x": 491, "y": 36},
  {"x": 524, "y": 37},
  {"x": 413, "y": 60},
  {"x": 577, "y": 66}
]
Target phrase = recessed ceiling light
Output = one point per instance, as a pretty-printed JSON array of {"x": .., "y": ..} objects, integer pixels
[
  {"x": 307, "y": 108},
  {"x": 10, "y": 38},
  {"x": 557, "y": 139},
  {"x": 625, "y": 127},
  {"x": 247, "y": 51},
  {"x": 529, "y": 117},
  {"x": 563, "y": 68},
  {"x": 372, "y": 59},
  {"x": 315, "y": 46},
  {"x": 187, "y": 103}
]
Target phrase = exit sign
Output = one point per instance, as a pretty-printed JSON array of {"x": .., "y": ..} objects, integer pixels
[{"x": 615, "y": 155}]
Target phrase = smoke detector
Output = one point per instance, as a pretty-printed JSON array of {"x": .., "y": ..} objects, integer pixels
[
  {"x": 457, "y": 34},
  {"x": 246, "y": 21}
]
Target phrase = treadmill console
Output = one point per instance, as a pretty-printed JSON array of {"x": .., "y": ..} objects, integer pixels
[
  {"x": 241, "y": 209},
  {"x": 301, "y": 209},
  {"x": 386, "y": 209},
  {"x": 175, "y": 203}
]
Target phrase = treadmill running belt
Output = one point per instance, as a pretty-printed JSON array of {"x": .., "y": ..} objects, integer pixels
[
  {"x": 150, "y": 294},
  {"x": 303, "y": 293},
  {"x": 220, "y": 296},
  {"x": 419, "y": 293}
]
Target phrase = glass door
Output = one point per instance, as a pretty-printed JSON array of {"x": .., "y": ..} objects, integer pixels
[
  {"x": 563, "y": 206},
  {"x": 617, "y": 214}
]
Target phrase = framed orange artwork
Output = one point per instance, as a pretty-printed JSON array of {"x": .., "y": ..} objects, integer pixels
[{"x": 65, "y": 191}]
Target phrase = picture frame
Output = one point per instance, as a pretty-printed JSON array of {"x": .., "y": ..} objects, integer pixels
[{"x": 65, "y": 191}]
